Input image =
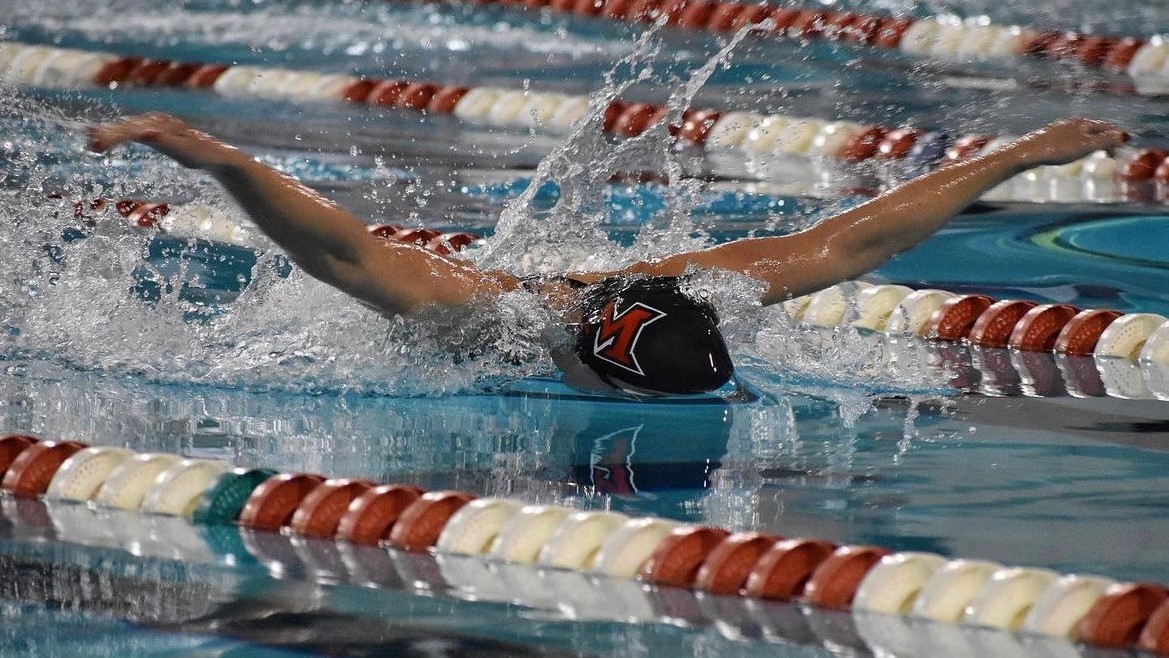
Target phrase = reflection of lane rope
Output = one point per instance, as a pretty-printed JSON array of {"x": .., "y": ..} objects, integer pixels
[
  {"x": 465, "y": 529},
  {"x": 1137, "y": 174},
  {"x": 943, "y": 37}
]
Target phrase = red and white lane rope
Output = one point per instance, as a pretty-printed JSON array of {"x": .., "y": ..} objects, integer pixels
[
  {"x": 208, "y": 222},
  {"x": 1139, "y": 174},
  {"x": 1146, "y": 60},
  {"x": 1096, "y": 610},
  {"x": 1126, "y": 354}
]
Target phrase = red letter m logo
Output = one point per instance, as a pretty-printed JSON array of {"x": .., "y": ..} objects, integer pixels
[{"x": 616, "y": 338}]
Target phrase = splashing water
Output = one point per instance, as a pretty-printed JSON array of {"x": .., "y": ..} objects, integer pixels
[{"x": 70, "y": 300}]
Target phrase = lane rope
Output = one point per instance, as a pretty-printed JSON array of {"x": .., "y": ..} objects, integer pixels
[{"x": 1134, "y": 174}]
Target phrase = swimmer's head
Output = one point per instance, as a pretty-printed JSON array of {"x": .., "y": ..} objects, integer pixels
[{"x": 646, "y": 335}]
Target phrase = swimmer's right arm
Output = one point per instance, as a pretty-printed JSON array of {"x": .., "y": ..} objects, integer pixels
[{"x": 324, "y": 239}]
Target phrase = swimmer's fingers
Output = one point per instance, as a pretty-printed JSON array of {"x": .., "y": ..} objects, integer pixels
[
  {"x": 1070, "y": 139},
  {"x": 164, "y": 133},
  {"x": 144, "y": 128}
]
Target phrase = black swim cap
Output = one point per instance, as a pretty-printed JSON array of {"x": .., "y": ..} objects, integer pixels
[{"x": 647, "y": 333}]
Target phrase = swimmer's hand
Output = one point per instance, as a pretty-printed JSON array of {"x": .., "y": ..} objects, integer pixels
[
  {"x": 166, "y": 134},
  {"x": 1067, "y": 140}
]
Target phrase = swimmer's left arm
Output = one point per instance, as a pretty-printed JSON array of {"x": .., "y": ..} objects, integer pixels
[{"x": 858, "y": 240}]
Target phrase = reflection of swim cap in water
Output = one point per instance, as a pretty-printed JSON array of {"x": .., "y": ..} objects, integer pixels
[{"x": 646, "y": 333}]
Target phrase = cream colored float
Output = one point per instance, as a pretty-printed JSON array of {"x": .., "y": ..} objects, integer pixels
[
  {"x": 579, "y": 539},
  {"x": 951, "y": 588},
  {"x": 731, "y": 130},
  {"x": 526, "y": 533},
  {"x": 834, "y": 305},
  {"x": 1128, "y": 334},
  {"x": 1062, "y": 605},
  {"x": 128, "y": 484},
  {"x": 176, "y": 490},
  {"x": 472, "y": 529},
  {"x": 914, "y": 311},
  {"x": 874, "y": 305},
  {"x": 80, "y": 476},
  {"x": 625, "y": 551},
  {"x": 893, "y": 584},
  {"x": 1007, "y": 597}
]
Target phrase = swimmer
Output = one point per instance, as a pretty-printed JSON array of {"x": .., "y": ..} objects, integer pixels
[{"x": 634, "y": 329}]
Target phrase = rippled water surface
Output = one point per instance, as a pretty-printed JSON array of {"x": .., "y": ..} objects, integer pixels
[{"x": 117, "y": 336}]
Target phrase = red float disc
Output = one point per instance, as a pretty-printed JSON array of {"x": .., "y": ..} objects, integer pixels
[
  {"x": 672, "y": 9},
  {"x": 148, "y": 71},
  {"x": 116, "y": 71},
  {"x": 447, "y": 242},
  {"x": 416, "y": 96},
  {"x": 613, "y": 112},
  {"x": 676, "y": 560},
  {"x": 1080, "y": 335},
  {"x": 127, "y": 206},
  {"x": 864, "y": 145},
  {"x": 617, "y": 9},
  {"x": 417, "y": 236},
  {"x": 205, "y": 76},
  {"x": 358, "y": 91},
  {"x": 446, "y": 99},
  {"x": 726, "y": 569},
  {"x": 783, "y": 571},
  {"x": 1119, "y": 616},
  {"x": 752, "y": 14},
  {"x": 890, "y": 32},
  {"x": 643, "y": 11},
  {"x": 837, "y": 24},
  {"x": 808, "y": 24},
  {"x": 385, "y": 231},
  {"x": 1155, "y": 635},
  {"x": 1120, "y": 55},
  {"x": 148, "y": 215},
  {"x": 635, "y": 119},
  {"x": 1037, "y": 330},
  {"x": 177, "y": 74},
  {"x": 993, "y": 328},
  {"x": 964, "y": 147},
  {"x": 954, "y": 319},
  {"x": 1092, "y": 50},
  {"x": 898, "y": 143},
  {"x": 835, "y": 581},
  {"x": 422, "y": 522},
  {"x": 563, "y": 5},
  {"x": 863, "y": 30},
  {"x": 272, "y": 504},
  {"x": 1144, "y": 166},
  {"x": 321, "y": 510},
  {"x": 33, "y": 469},
  {"x": 723, "y": 18},
  {"x": 387, "y": 92},
  {"x": 11, "y": 446},
  {"x": 1064, "y": 46},
  {"x": 697, "y": 125},
  {"x": 783, "y": 18},
  {"x": 696, "y": 15},
  {"x": 372, "y": 515},
  {"x": 1038, "y": 44},
  {"x": 587, "y": 7}
]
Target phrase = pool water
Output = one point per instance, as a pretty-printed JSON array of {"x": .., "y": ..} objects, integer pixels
[{"x": 121, "y": 337}]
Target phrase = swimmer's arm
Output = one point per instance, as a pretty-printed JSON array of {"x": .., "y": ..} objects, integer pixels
[
  {"x": 324, "y": 239},
  {"x": 858, "y": 240}
]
